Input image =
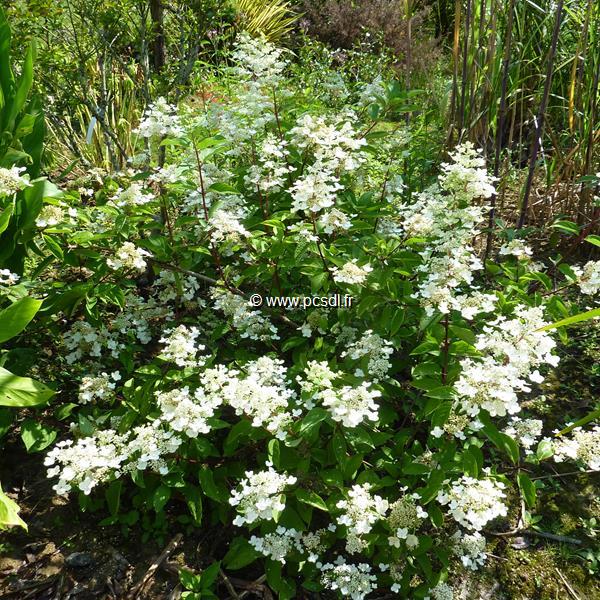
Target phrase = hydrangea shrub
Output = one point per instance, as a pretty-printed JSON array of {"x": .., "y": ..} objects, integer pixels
[{"x": 353, "y": 449}]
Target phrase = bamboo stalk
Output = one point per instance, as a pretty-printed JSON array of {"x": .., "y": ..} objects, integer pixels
[{"x": 539, "y": 129}]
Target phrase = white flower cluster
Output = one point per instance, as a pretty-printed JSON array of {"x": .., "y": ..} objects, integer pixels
[
  {"x": 95, "y": 459},
  {"x": 160, "y": 119},
  {"x": 261, "y": 394},
  {"x": 442, "y": 591},
  {"x": 406, "y": 515},
  {"x": 225, "y": 227},
  {"x": 512, "y": 350},
  {"x": 171, "y": 287},
  {"x": 335, "y": 221},
  {"x": 448, "y": 218},
  {"x": 525, "y": 431},
  {"x": 272, "y": 170},
  {"x": 353, "y": 581},
  {"x": 279, "y": 544},
  {"x": 186, "y": 413},
  {"x": 360, "y": 512},
  {"x": 8, "y": 278},
  {"x": 260, "y": 496},
  {"x": 181, "y": 346},
  {"x": 249, "y": 323},
  {"x": 98, "y": 387},
  {"x": 466, "y": 176},
  {"x": 516, "y": 248},
  {"x": 128, "y": 256},
  {"x": 350, "y": 406},
  {"x": 474, "y": 502},
  {"x": 470, "y": 549},
  {"x": 133, "y": 195},
  {"x": 589, "y": 277},
  {"x": 376, "y": 349},
  {"x": 335, "y": 148},
  {"x": 258, "y": 60},
  {"x": 583, "y": 446},
  {"x": 351, "y": 272},
  {"x": 51, "y": 215},
  {"x": 456, "y": 425},
  {"x": 11, "y": 180}
]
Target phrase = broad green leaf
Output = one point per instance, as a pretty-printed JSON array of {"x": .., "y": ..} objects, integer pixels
[
  {"x": 36, "y": 436},
  {"x": 583, "y": 421},
  {"x": 9, "y": 512},
  {"x": 16, "y": 317},
  {"x": 113, "y": 496},
  {"x": 22, "y": 391},
  {"x": 527, "y": 488},
  {"x": 240, "y": 554},
  {"x": 193, "y": 498},
  {"x": 311, "y": 498}
]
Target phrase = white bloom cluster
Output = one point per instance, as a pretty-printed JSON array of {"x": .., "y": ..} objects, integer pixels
[
  {"x": 351, "y": 273},
  {"x": 260, "y": 496},
  {"x": 170, "y": 286},
  {"x": 133, "y": 195},
  {"x": 474, "y": 502},
  {"x": 512, "y": 350},
  {"x": 442, "y": 591},
  {"x": 353, "y": 581},
  {"x": 406, "y": 515},
  {"x": 516, "y": 248},
  {"x": 83, "y": 338},
  {"x": 456, "y": 425},
  {"x": 466, "y": 176},
  {"x": 128, "y": 256},
  {"x": 360, "y": 512},
  {"x": 448, "y": 217},
  {"x": 279, "y": 544},
  {"x": 8, "y": 278},
  {"x": 106, "y": 453},
  {"x": 376, "y": 349},
  {"x": 160, "y": 119},
  {"x": 181, "y": 346},
  {"x": 350, "y": 406},
  {"x": 50, "y": 215},
  {"x": 524, "y": 431},
  {"x": 583, "y": 446},
  {"x": 335, "y": 148},
  {"x": 11, "y": 180},
  {"x": 258, "y": 60},
  {"x": 270, "y": 174},
  {"x": 187, "y": 413},
  {"x": 470, "y": 549},
  {"x": 316, "y": 190},
  {"x": 98, "y": 387},
  {"x": 226, "y": 228},
  {"x": 589, "y": 277},
  {"x": 261, "y": 394},
  {"x": 249, "y": 323},
  {"x": 317, "y": 377},
  {"x": 335, "y": 221}
]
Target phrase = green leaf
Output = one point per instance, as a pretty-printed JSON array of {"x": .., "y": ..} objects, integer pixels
[
  {"x": 274, "y": 452},
  {"x": 113, "y": 496},
  {"x": 36, "y": 436},
  {"x": 590, "y": 314},
  {"x": 583, "y": 421},
  {"x": 9, "y": 513},
  {"x": 162, "y": 494},
  {"x": 593, "y": 239},
  {"x": 527, "y": 488},
  {"x": 500, "y": 440},
  {"x": 193, "y": 498},
  {"x": 312, "y": 418},
  {"x": 311, "y": 498},
  {"x": 209, "y": 575},
  {"x": 21, "y": 391},
  {"x": 16, "y": 317},
  {"x": 209, "y": 487},
  {"x": 544, "y": 450},
  {"x": 240, "y": 554}
]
